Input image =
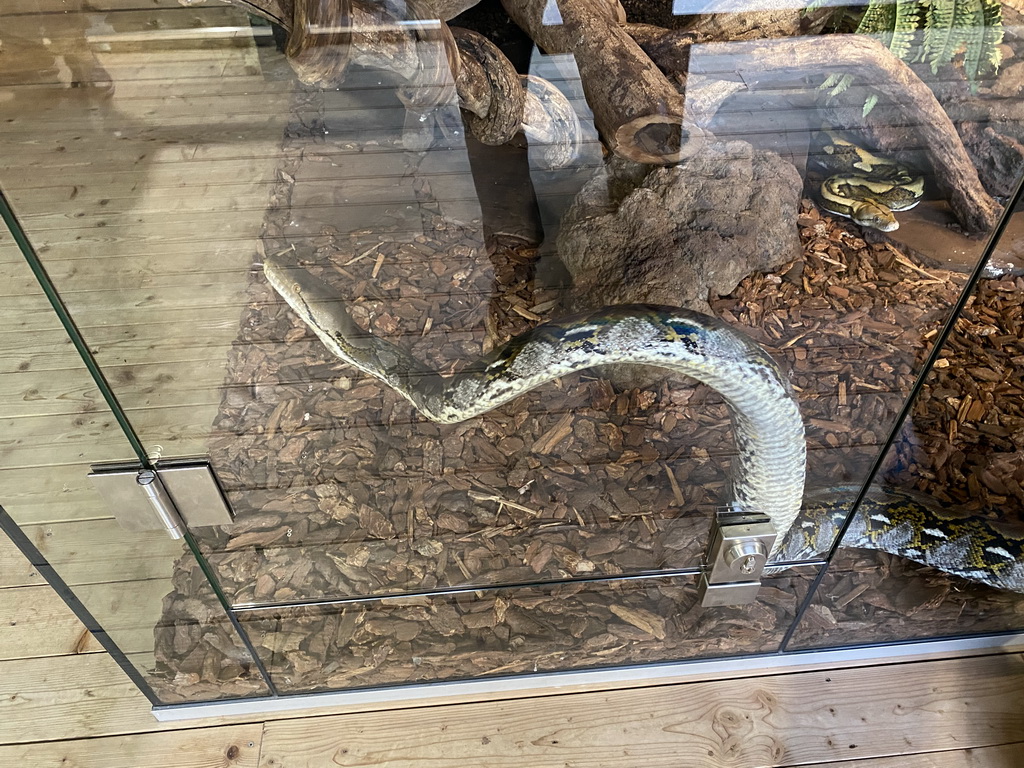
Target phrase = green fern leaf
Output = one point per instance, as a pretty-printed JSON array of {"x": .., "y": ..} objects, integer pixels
[
  {"x": 940, "y": 37},
  {"x": 904, "y": 29},
  {"x": 894, "y": 24},
  {"x": 993, "y": 35},
  {"x": 830, "y": 81},
  {"x": 970, "y": 22},
  {"x": 869, "y": 104},
  {"x": 934, "y": 31},
  {"x": 842, "y": 83},
  {"x": 878, "y": 20}
]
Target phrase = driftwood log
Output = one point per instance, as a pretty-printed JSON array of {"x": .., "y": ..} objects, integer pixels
[
  {"x": 496, "y": 102},
  {"x": 735, "y": 20},
  {"x": 639, "y": 113},
  {"x": 320, "y": 41},
  {"x": 922, "y": 117},
  {"x": 281, "y": 12}
]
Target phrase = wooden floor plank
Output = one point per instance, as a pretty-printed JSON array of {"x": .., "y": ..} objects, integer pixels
[
  {"x": 38, "y": 623},
  {"x": 71, "y": 697},
  {"x": 781, "y": 720},
  {"x": 15, "y": 569},
  {"x": 120, "y": 167},
  {"x": 784, "y": 720},
  {"x": 1005, "y": 756},
  {"x": 101, "y": 552},
  {"x": 16, "y": 7},
  {"x": 236, "y": 746}
]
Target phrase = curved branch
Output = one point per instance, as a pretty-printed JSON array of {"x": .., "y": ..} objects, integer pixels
[
  {"x": 433, "y": 62},
  {"x": 320, "y": 41},
  {"x": 503, "y": 115},
  {"x": 870, "y": 62}
]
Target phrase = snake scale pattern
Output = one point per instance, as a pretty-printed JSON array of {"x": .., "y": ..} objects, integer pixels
[
  {"x": 769, "y": 471},
  {"x": 914, "y": 526}
]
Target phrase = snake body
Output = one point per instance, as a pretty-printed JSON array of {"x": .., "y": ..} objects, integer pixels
[
  {"x": 768, "y": 475},
  {"x": 916, "y": 527},
  {"x": 865, "y": 187}
]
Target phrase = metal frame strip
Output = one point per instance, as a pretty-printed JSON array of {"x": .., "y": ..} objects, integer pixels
[{"x": 554, "y": 683}]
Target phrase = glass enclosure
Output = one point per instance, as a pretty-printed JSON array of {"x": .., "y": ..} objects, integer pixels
[{"x": 487, "y": 318}]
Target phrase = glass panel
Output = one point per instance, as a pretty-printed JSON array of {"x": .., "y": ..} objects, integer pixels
[
  {"x": 499, "y": 632},
  {"x": 935, "y": 549},
  {"x": 55, "y": 425},
  {"x": 168, "y": 160},
  {"x": 151, "y": 242}
]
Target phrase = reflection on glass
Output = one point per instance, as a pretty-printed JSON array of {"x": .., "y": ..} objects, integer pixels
[
  {"x": 506, "y": 632},
  {"x": 945, "y": 518},
  {"x": 125, "y": 579},
  {"x": 459, "y": 176},
  {"x": 198, "y": 653}
]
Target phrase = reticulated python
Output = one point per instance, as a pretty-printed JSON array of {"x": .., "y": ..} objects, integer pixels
[
  {"x": 768, "y": 474},
  {"x": 916, "y": 527},
  {"x": 865, "y": 187}
]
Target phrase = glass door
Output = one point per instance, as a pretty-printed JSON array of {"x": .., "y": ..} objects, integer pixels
[
  {"x": 179, "y": 169},
  {"x": 119, "y": 570}
]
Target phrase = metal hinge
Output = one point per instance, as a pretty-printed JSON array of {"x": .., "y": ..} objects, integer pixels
[
  {"x": 175, "y": 495},
  {"x": 736, "y": 556}
]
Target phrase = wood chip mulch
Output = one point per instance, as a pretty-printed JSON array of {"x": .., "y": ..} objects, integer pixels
[{"x": 342, "y": 491}]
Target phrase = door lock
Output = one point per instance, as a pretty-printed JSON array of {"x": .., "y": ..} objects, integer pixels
[{"x": 735, "y": 559}]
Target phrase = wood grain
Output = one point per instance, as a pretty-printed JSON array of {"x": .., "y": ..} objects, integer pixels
[
  {"x": 1005, "y": 756},
  {"x": 673, "y": 725},
  {"x": 15, "y": 7},
  {"x": 15, "y": 569},
  {"x": 225, "y": 747},
  {"x": 784, "y": 720},
  {"x": 100, "y": 551},
  {"x": 71, "y": 697},
  {"x": 38, "y": 623}
]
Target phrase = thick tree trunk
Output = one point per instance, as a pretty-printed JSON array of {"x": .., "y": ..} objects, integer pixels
[
  {"x": 432, "y": 62},
  {"x": 281, "y": 11},
  {"x": 735, "y": 20},
  {"x": 320, "y": 41}
]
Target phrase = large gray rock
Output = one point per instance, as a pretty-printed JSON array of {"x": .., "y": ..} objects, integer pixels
[{"x": 676, "y": 235}]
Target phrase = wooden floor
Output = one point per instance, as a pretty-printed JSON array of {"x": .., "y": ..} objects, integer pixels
[{"x": 65, "y": 704}]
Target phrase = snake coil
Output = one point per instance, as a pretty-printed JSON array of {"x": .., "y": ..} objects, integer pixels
[{"x": 865, "y": 187}]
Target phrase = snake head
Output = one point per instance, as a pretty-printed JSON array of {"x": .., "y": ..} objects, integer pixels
[
  {"x": 315, "y": 302},
  {"x": 875, "y": 216}
]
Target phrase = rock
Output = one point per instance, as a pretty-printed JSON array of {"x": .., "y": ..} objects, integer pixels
[{"x": 674, "y": 235}]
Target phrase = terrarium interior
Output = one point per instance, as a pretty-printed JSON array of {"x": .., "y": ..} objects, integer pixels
[{"x": 482, "y": 314}]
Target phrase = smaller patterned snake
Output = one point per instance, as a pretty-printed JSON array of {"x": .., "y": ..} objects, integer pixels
[
  {"x": 864, "y": 187},
  {"x": 914, "y": 526}
]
